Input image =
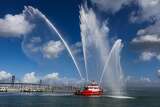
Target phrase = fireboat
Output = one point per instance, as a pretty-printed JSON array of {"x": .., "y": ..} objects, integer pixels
[{"x": 92, "y": 89}]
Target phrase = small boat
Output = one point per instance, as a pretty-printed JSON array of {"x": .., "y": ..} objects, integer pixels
[{"x": 92, "y": 89}]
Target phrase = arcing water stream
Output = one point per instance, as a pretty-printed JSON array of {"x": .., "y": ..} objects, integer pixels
[
  {"x": 30, "y": 12},
  {"x": 102, "y": 62}
]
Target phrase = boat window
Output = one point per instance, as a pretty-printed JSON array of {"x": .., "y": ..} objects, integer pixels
[{"x": 86, "y": 88}]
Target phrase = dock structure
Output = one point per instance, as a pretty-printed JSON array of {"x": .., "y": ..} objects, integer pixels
[
  {"x": 13, "y": 86},
  {"x": 33, "y": 87},
  {"x": 19, "y": 87}
]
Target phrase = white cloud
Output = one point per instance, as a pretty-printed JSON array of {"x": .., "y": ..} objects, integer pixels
[
  {"x": 33, "y": 48},
  {"x": 33, "y": 78},
  {"x": 14, "y": 26},
  {"x": 34, "y": 44},
  {"x": 158, "y": 57},
  {"x": 151, "y": 29},
  {"x": 145, "y": 79},
  {"x": 158, "y": 72},
  {"x": 146, "y": 56},
  {"x": 40, "y": 49},
  {"x": 128, "y": 78},
  {"x": 52, "y": 49},
  {"x": 35, "y": 40},
  {"x": 146, "y": 38},
  {"x": 4, "y": 75},
  {"x": 52, "y": 76},
  {"x": 76, "y": 48},
  {"x": 149, "y": 9},
  {"x": 30, "y": 78},
  {"x": 148, "y": 41},
  {"x": 110, "y": 5}
]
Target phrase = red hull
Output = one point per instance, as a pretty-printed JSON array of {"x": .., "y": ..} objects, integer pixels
[
  {"x": 90, "y": 90},
  {"x": 90, "y": 93}
]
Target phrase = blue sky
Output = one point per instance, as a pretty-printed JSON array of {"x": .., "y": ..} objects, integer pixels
[{"x": 130, "y": 20}]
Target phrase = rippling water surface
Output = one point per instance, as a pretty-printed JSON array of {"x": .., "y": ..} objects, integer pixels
[{"x": 139, "y": 98}]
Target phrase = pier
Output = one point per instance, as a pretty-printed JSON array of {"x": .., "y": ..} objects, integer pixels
[
  {"x": 13, "y": 86},
  {"x": 32, "y": 87}
]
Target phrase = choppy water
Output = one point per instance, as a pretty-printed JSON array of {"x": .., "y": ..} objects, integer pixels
[{"x": 142, "y": 98}]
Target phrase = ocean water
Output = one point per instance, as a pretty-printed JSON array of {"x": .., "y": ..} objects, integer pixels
[{"x": 140, "y": 98}]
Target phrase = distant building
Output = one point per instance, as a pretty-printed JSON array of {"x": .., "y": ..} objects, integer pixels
[{"x": 13, "y": 80}]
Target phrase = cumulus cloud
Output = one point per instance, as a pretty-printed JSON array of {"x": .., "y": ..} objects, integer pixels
[
  {"x": 147, "y": 46},
  {"x": 143, "y": 79},
  {"x": 147, "y": 38},
  {"x": 52, "y": 49},
  {"x": 158, "y": 73},
  {"x": 4, "y": 75},
  {"x": 110, "y": 5},
  {"x": 35, "y": 40},
  {"x": 34, "y": 45},
  {"x": 76, "y": 48},
  {"x": 146, "y": 56},
  {"x": 149, "y": 10},
  {"x": 147, "y": 42},
  {"x": 52, "y": 76},
  {"x": 151, "y": 29},
  {"x": 30, "y": 78},
  {"x": 14, "y": 26},
  {"x": 49, "y": 49}
]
